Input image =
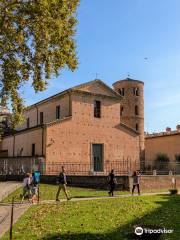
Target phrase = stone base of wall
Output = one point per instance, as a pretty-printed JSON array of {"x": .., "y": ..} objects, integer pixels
[
  {"x": 99, "y": 182},
  {"x": 147, "y": 183},
  {"x": 159, "y": 182}
]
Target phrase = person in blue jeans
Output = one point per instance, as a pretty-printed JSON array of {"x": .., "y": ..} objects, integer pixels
[{"x": 62, "y": 184}]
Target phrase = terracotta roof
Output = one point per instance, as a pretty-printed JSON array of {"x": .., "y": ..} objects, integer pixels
[{"x": 128, "y": 79}]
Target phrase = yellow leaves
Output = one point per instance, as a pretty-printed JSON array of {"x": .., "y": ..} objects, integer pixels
[{"x": 36, "y": 42}]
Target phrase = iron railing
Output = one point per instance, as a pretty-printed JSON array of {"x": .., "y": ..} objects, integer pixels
[
  {"x": 120, "y": 168},
  {"x": 21, "y": 165}
]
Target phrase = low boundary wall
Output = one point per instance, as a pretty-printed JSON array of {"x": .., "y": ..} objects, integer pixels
[
  {"x": 147, "y": 182},
  {"x": 158, "y": 182},
  {"x": 99, "y": 182}
]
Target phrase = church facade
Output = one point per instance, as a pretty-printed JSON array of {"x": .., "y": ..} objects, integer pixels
[{"x": 90, "y": 128}]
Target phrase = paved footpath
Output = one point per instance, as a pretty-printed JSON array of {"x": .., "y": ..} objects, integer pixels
[
  {"x": 19, "y": 209},
  {"x": 5, "y": 209},
  {"x": 101, "y": 198},
  {"x": 7, "y": 187}
]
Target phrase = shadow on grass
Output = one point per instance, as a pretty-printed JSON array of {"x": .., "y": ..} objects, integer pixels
[{"x": 167, "y": 216}]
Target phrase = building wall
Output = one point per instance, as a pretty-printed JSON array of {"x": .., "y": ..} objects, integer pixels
[
  {"x": 70, "y": 140},
  {"x": 169, "y": 144},
  {"x": 7, "y": 144},
  {"x": 24, "y": 140},
  {"x": 49, "y": 111}
]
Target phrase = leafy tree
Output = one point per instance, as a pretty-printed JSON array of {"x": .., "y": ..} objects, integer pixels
[{"x": 36, "y": 41}]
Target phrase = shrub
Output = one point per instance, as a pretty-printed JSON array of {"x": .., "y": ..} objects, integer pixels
[
  {"x": 173, "y": 191},
  {"x": 161, "y": 161},
  {"x": 177, "y": 157},
  {"x": 162, "y": 157}
]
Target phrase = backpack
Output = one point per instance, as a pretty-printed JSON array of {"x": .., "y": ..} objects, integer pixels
[{"x": 61, "y": 178}]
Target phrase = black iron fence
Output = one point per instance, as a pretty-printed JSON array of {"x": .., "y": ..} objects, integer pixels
[
  {"x": 123, "y": 167},
  {"x": 161, "y": 168},
  {"x": 21, "y": 165}
]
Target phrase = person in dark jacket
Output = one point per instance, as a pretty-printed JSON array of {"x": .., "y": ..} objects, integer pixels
[
  {"x": 111, "y": 182},
  {"x": 62, "y": 184},
  {"x": 136, "y": 177}
]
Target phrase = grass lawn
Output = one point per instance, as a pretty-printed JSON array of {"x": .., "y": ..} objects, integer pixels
[
  {"x": 107, "y": 219},
  {"x": 48, "y": 192}
]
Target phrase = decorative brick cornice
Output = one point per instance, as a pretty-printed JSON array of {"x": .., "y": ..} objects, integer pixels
[{"x": 129, "y": 128}]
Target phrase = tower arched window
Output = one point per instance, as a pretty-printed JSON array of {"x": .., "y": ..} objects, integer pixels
[
  {"x": 121, "y": 111},
  {"x": 121, "y": 91},
  {"x": 136, "y": 91},
  {"x": 136, "y": 110}
]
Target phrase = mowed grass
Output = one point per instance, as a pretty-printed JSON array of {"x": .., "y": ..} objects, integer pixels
[
  {"x": 48, "y": 192},
  {"x": 107, "y": 219}
]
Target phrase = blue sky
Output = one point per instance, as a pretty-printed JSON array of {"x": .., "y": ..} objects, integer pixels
[{"x": 113, "y": 38}]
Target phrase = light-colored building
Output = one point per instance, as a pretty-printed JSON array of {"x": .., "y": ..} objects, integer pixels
[
  {"x": 164, "y": 143},
  {"x": 83, "y": 126}
]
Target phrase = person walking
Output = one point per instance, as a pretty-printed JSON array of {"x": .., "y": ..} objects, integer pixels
[
  {"x": 111, "y": 182},
  {"x": 173, "y": 183},
  {"x": 62, "y": 184},
  {"x": 26, "y": 187},
  {"x": 34, "y": 189},
  {"x": 136, "y": 177}
]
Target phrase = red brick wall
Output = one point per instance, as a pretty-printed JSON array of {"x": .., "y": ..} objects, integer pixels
[{"x": 70, "y": 140}]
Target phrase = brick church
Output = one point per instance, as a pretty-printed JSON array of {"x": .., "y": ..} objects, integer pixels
[{"x": 90, "y": 125}]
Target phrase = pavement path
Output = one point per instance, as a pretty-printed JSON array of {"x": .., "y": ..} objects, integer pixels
[
  {"x": 7, "y": 187},
  {"x": 101, "y": 198},
  {"x": 5, "y": 209},
  {"x": 5, "y": 215}
]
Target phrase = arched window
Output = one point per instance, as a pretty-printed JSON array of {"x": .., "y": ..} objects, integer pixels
[
  {"x": 121, "y": 91},
  {"x": 121, "y": 111},
  {"x": 136, "y": 91},
  {"x": 137, "y": 127},
  {"x": 136, "y": 110}
]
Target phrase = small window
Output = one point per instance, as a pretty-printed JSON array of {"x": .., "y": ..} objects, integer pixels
[
  {"x": 57, "y": 112},
  {"x": 122, "y": 109},
  {"x": 41, "y": 118},
  {"x": 121, "y": 91},
  {"x": 136, "y": 110},
  {"x": 136, "y": 91},
  {"x": 97, "y": 109},
  {"x": 33, "y": 149},
  {"x": 27, "y": 122},
  {"x": 137, "y": 127}
]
